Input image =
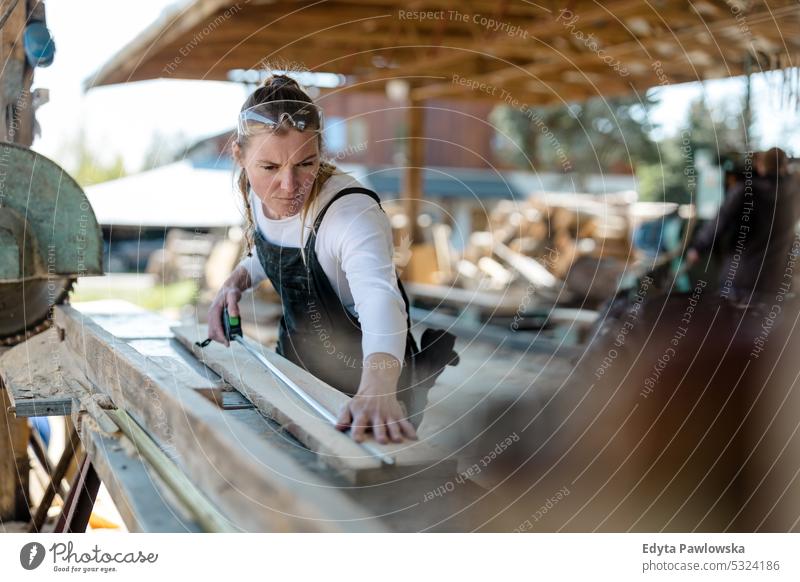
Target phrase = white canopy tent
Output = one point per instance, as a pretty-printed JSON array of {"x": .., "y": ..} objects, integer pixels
[{"x": 177, "y": 195}]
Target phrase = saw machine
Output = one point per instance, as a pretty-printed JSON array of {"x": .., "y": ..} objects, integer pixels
[{"x": 49, "y": 236}]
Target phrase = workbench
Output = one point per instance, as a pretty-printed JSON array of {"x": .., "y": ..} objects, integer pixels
[{"x": 250, "y": 468}]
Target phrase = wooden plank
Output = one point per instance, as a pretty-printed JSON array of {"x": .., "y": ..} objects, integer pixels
[
  {"x": 143, "y": 503},
  {"x": 501, "y": 302},
  {"x": 256, "y": 486},
  {"x": 526, "y": 266},
  {"x": 532, "y": 342},
  {"x": 183, "y": 375},
  {"x": 274, "y": 399},
  {"x": 204, "y": 380},
  {"x": 203, "y": 511},
  {"x": 33, "y": 375},
  {"x": 126, "y": 321}
]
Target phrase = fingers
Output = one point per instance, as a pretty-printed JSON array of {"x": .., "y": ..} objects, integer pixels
[
  {"x": 343, "y": 422},
  {"x": 215, "y": 331},
  {"x": 227, "y": 298},
  {"x": 379, "y": 430},
  {"x": 232, "y": 301},
  {"x": 360, "y": 424},
  {"x": 395, "y": 432},
  {"x": 408, "y": 429},
  {"x": 386, "y": 422}
]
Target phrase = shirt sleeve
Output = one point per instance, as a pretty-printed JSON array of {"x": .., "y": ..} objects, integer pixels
[
  {"x": 360, "y": 236},
  {"x": 253, "y": 267}
]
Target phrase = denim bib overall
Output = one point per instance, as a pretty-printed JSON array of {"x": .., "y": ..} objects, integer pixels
[{"x": 319, "y": 334}]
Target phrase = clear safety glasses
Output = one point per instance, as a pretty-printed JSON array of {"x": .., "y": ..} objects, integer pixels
[{"x": 299, "y": 115}]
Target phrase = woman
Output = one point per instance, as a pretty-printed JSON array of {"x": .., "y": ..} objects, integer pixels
[{"x": 326, "y": 246}]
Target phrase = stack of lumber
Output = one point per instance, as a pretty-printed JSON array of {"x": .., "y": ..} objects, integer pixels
[
  {"x": 551, "y": 249},
  {"x": 561, "y": 244}
]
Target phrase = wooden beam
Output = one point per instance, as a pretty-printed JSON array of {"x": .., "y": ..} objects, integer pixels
[
  {"x": 678, "y": 38},
  {"x": 276, "y": 401},
  {"x": 256, "y": 486},
  {"x": 143, "y": 504},
  {"x": 531, "y": 342},
  {"x": 14, "y": 463},
  {"x": 32, "y": 374},
  {"x": 415, "y": 161},
  {"x": 201, "y": 509},
  {"x": 169, "y": 26},
  {"x": 503, "y": 302},
  {"x": 496, "y": 45}
]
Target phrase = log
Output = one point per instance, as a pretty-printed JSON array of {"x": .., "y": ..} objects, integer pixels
[
  {"x": 256, "y": 486},
  {"x": 336, "y": 449}
]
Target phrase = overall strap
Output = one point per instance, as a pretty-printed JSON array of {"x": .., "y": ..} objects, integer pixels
[{"x": 344, "y": 192}]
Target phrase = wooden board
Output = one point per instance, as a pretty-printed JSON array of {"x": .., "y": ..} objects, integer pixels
[
  {"x": 256, "y": 486},
  {"x": 274, "y": 399},
  {"x": 527, "y": 341},
  {"x": 173, "y": 355},
  {"x": 505, "y": 302},
  {"x": 143, "y": 504},
  {"x": 33, "y": 374},
  {"x": 126, "y": 320}
]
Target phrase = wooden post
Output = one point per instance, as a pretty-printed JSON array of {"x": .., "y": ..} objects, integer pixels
[
  {"x": 415, "y": 160},
  {"x": 16, "y": 123},
  {"x": 14, "y": 464}
]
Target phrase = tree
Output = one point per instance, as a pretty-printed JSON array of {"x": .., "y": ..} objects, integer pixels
[
  {"x": 719, "y": 131},
  {"x": 85, "y": 166},
  {"x": 613, "y": 135},
  {"x": 596, "y": 136}
]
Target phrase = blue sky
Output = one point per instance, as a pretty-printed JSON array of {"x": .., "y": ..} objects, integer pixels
[{"x": 123, "y": 119}]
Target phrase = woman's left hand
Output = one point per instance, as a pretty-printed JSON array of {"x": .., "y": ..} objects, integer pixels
[{"x": 375, "y": 405}]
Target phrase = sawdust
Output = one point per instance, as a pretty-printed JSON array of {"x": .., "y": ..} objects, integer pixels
[{"x": 105, "y": 427}]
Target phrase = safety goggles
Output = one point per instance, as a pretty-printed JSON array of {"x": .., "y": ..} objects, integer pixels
[{"x": 299, "y": 115}]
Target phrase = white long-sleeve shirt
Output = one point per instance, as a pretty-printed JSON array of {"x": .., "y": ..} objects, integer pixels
[{"x": 354, "y": 246}]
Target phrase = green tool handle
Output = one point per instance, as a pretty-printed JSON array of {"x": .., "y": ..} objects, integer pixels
[{"x": 232, "y": 325}]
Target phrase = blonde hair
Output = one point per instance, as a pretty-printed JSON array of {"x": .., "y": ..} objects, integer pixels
[{"x": 280, "y": 88}]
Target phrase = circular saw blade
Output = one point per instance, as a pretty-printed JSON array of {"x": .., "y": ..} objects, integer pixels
[{"x": 26, "y": 306}]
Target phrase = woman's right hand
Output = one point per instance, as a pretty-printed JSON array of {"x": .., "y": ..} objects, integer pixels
[{"x": 228, "y": 296}]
